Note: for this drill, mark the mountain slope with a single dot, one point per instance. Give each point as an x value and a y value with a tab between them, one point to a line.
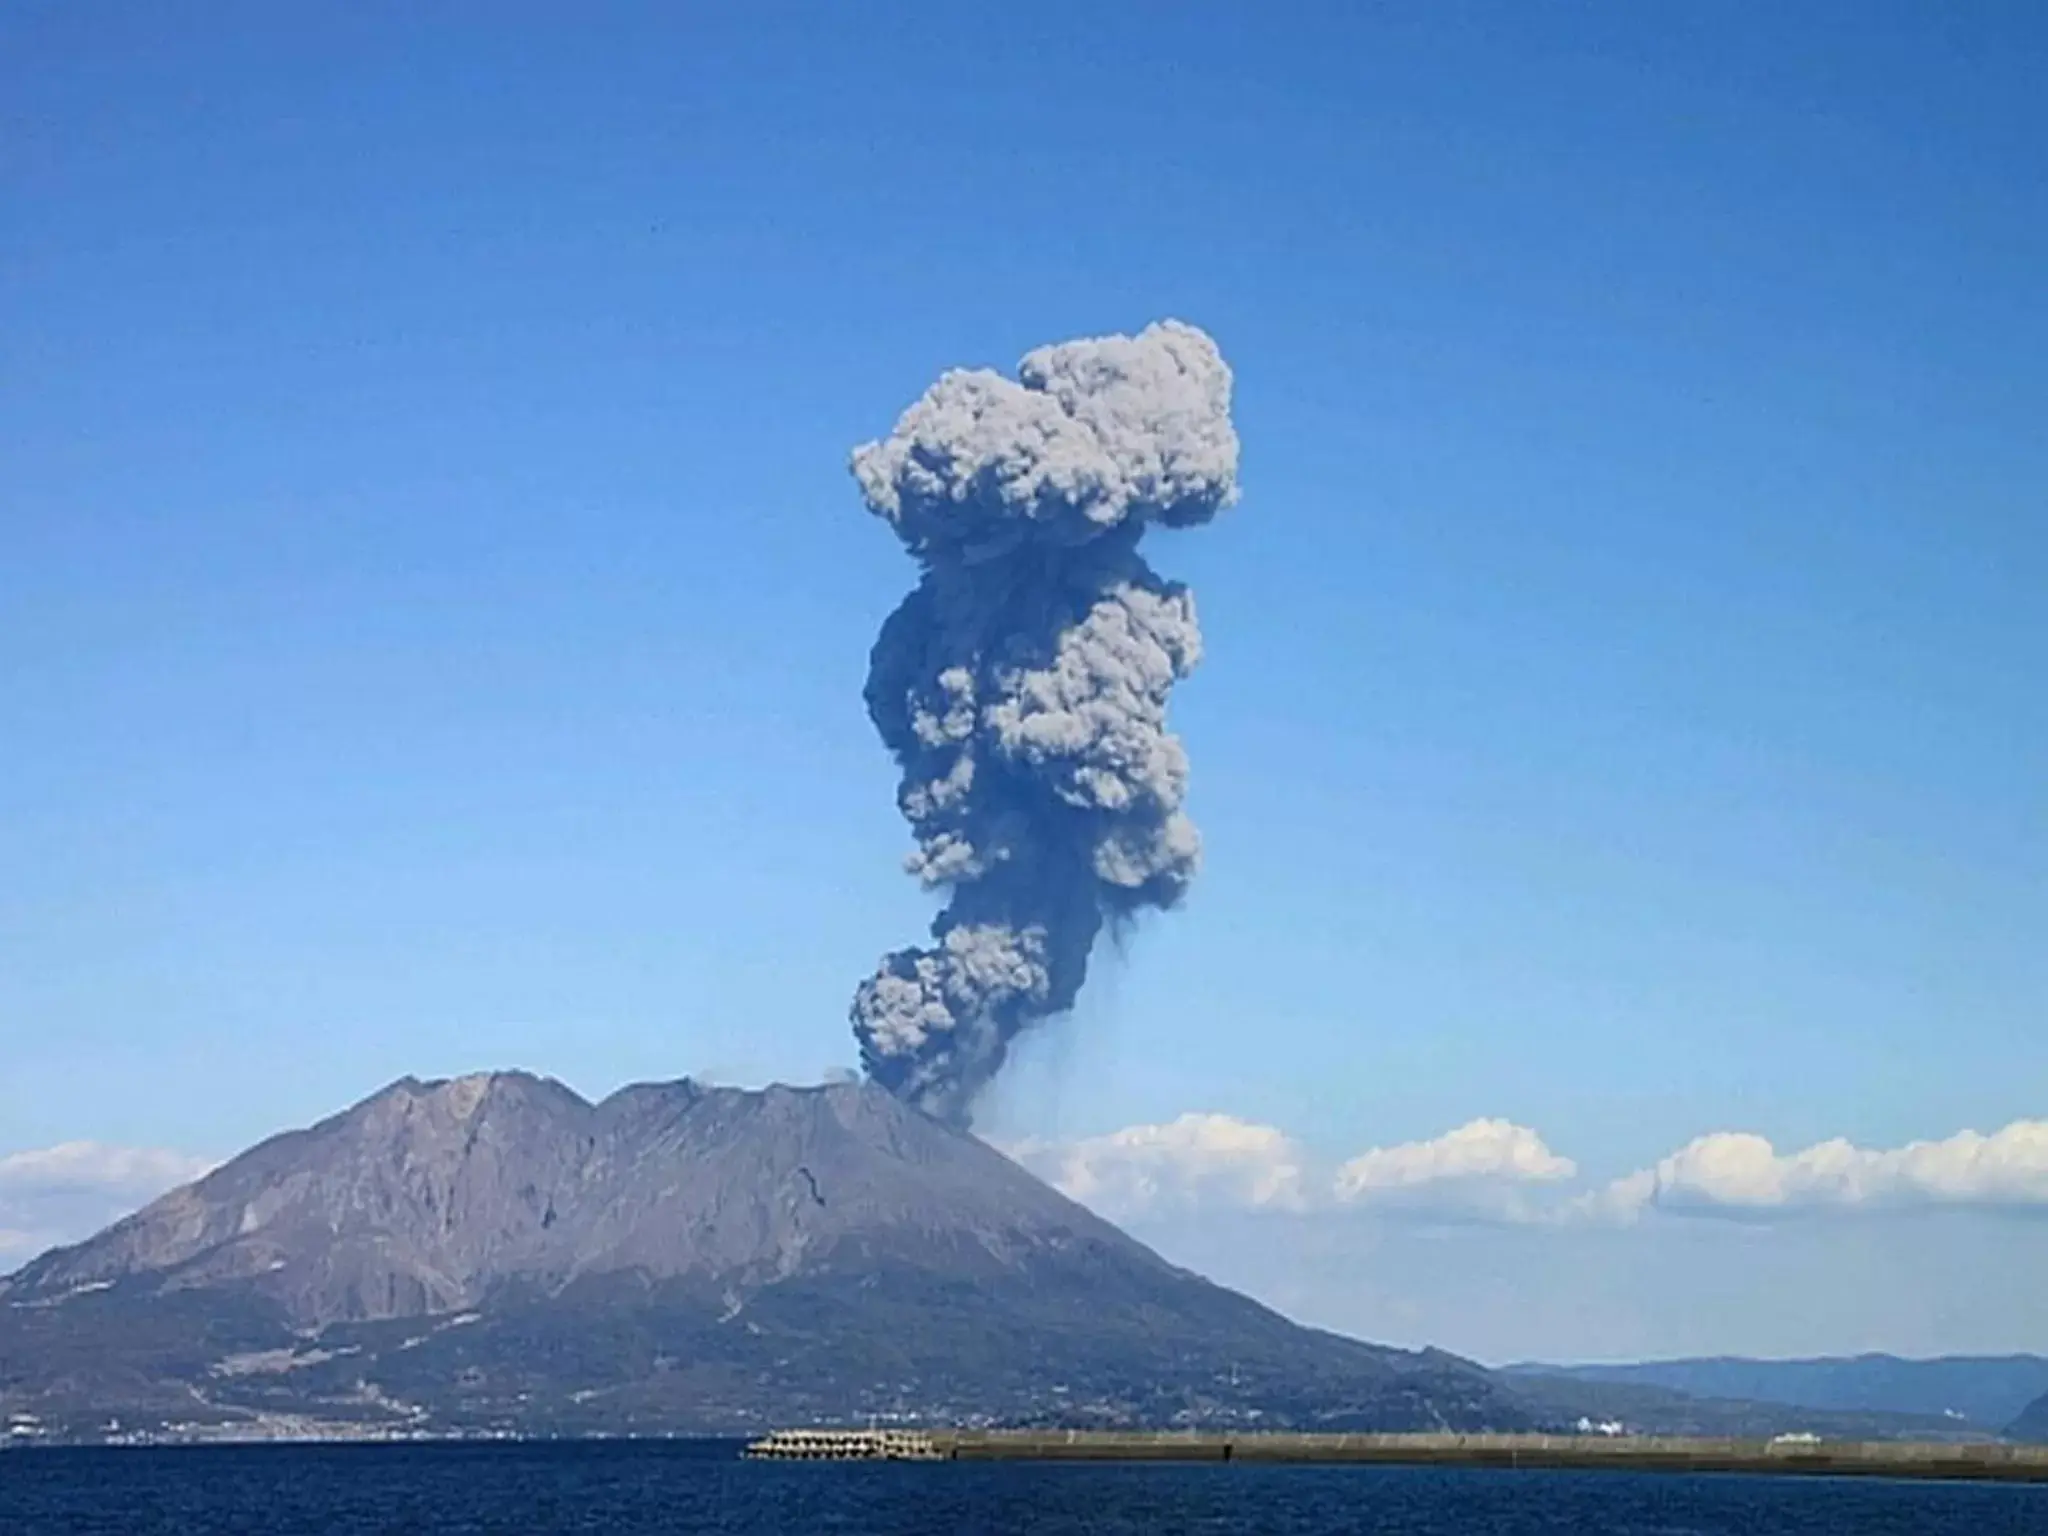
426	1197
496	1252
2032	1421
1986	1392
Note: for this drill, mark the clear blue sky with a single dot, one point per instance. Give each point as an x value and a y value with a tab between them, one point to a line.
433	604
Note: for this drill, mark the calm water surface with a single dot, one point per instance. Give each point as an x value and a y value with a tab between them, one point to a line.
620	1490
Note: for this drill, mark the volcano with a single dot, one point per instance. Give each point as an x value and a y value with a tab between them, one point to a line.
496	1254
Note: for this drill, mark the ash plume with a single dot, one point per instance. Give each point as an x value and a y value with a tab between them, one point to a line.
1022	686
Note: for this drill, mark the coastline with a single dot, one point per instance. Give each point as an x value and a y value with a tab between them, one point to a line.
1920	1461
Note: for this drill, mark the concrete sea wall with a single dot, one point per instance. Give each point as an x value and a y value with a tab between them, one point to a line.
2020	1463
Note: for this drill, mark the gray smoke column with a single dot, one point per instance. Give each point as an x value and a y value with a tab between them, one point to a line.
1022	686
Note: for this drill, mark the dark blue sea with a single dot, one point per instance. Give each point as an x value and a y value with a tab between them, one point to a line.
621	1489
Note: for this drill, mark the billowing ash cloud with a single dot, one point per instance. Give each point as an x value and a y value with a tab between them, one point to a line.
1022	687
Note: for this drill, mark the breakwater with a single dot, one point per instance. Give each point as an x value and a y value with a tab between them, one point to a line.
1874	1458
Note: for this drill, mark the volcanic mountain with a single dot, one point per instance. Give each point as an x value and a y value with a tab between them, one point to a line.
494	1252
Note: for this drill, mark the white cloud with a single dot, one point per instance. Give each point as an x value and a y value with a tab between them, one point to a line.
1196	1159
91	1165
1212	1160
1738	1172
1496	1170
1480	1152
60	1194
1620	1203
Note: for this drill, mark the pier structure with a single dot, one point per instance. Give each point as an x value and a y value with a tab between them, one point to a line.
1631	1453
1800	1454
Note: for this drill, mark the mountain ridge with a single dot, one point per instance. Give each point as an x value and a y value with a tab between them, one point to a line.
497	1251
1985	1391
496	1254
428	1193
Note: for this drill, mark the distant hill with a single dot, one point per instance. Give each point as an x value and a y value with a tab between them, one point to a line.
2032	1421
1985	1392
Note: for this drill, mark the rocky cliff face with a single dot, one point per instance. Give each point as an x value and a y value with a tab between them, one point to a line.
497	1252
